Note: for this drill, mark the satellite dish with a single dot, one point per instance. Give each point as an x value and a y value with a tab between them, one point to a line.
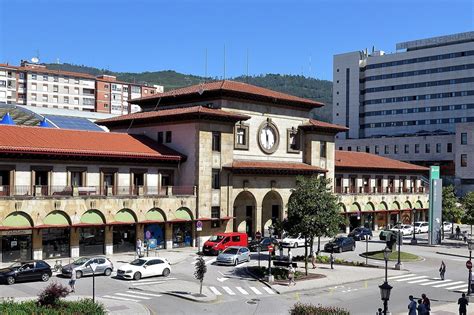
35	60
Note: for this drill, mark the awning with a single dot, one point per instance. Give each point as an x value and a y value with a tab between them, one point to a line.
88	224
179	220
151	222
11	228
51	226
120	223
206	219
227	218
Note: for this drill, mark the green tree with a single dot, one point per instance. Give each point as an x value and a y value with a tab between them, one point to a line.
313	210
468	205
451	212
199	271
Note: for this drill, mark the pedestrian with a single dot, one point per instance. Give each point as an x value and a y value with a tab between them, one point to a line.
411	306
421	308
331	260
442	270
427	303
458	232
379	311
72	282
314	257
291	276
139	248
290	256
463	303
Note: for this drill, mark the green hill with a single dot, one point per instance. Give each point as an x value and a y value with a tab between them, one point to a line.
318	90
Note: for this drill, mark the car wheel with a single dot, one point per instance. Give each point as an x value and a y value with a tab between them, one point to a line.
107	272
236	262
10	280
353	247
340	249
44	277
78	274
166	272
137	276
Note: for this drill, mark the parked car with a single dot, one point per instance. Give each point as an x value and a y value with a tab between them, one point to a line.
405	229
233	256
340	244
447	226
219	242
83	266
361	233
263	244
293	241
145	267
26	271
421	227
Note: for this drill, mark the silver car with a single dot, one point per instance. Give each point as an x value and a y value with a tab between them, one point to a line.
233	255
83	266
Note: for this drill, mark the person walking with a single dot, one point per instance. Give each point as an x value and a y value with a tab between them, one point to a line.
72	282
139	247
463	303
442	270
421	308
427	303
411	306
331	260
291	276
313	259
458	232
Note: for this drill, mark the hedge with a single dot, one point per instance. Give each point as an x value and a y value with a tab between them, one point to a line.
310	309
80	307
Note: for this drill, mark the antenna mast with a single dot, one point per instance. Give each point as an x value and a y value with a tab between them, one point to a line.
224	62
247	65
205	66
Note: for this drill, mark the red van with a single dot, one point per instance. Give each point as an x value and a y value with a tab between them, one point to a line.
221	241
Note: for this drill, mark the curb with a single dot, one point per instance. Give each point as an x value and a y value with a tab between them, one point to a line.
454	255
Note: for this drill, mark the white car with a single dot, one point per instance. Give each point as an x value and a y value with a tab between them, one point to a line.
405	229
145	267
291	241
421	227
447	226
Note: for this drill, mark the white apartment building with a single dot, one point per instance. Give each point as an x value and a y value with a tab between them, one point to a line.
12	85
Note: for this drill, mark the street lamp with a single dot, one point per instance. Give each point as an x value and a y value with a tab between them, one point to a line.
385	288
413	240
470	246
398	265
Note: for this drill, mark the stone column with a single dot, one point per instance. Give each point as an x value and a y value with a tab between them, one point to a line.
359	184
109	241
37	244
75	234
140	232
169	235
384	184
257	221
345	184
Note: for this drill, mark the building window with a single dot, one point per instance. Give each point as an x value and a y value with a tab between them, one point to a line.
387	150
438	147
376	149
76	81
241	137
367	149
323	149
66	99
216	183
45	98
45	87
407	148
292	138
427	148
168	137
216	141
395	149
358	148
45	78
215	215
160	137
349	148
55	88
33	76
449	148
55	99
463	138
66	80
417	148
463	160
55	78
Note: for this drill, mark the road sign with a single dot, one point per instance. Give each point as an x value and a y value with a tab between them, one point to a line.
199	226
258	235
469	264
270	248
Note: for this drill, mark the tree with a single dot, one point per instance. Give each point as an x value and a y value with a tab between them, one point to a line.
199	271
468	205
451	212
313	210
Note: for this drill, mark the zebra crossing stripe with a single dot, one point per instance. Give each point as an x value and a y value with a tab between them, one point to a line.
255	290
402	276
147	283
242	291
270	291
118	298
153	279
447	284
144	293
436	282
133	296
215	291
411	278
228	290
419	281
458	287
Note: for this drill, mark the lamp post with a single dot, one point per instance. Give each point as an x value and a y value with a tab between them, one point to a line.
385	288
470	246
413	240
398	265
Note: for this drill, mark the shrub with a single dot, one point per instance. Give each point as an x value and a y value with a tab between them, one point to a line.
309	309
52	293
81	307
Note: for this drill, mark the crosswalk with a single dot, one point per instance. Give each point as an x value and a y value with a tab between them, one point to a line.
241	290
448	284
132	295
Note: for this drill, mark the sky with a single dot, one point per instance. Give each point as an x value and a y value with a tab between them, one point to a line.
278	36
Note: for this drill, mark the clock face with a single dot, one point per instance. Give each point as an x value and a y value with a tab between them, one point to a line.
268	138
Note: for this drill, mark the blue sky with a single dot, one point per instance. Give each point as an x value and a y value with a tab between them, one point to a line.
280	36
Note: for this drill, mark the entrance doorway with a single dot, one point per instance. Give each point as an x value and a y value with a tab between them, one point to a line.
124	237
92	241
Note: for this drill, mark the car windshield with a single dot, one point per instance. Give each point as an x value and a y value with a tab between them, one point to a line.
216	238
138	262
81	261
15	265
338	239
417	223
231	251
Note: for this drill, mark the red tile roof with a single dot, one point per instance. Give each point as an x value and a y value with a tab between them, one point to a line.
227	88
268	167
184	113
74	143
56	72
367	161
314	124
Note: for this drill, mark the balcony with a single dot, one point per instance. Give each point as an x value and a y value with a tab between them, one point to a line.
379	190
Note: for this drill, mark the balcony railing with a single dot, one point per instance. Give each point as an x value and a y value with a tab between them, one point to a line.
380	190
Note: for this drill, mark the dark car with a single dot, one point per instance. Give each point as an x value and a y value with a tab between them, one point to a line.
263	243
26	271
361	233
340	244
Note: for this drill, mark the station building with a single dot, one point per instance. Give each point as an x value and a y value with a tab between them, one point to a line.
215	157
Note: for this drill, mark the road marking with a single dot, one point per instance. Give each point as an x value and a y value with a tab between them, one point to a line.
402	276
144	293
418	281
462	286
242	291
228	290
411	278
255	290
119	298
152	280
270	291
436	281
215	291
447	284
134	296
147	283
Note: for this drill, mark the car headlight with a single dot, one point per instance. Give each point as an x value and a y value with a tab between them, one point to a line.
129	271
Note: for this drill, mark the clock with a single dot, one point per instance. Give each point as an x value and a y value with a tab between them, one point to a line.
268	137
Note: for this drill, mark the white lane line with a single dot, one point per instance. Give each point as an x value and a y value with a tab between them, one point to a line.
402	276
447	284
419	281
269	291
147	283
144	293
119	298
436	281
154	279
255	290
210	261
134	296
411	278
242	291
228	290
462	286
215	291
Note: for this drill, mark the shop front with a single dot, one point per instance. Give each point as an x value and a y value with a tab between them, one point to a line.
154	229
182	228
124	231
56	235
92	233
16	237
